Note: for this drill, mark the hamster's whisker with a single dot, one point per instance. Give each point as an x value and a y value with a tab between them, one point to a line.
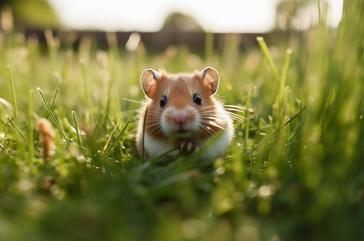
230	110
214	118
154	118
236	117
155	130
209	129
210	117
234	114
211	120
154	115
153	112
206	132
235	107
208	113
213	124
153	124
235	110
217	126
207	108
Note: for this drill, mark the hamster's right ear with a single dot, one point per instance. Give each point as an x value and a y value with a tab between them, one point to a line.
148	80
210	78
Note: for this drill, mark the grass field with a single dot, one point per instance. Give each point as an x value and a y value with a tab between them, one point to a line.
293	172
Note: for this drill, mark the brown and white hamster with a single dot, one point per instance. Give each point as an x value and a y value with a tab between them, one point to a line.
181	112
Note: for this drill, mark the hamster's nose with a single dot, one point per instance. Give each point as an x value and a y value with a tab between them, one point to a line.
180	118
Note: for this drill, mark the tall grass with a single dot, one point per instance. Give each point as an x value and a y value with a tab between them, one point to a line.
293	171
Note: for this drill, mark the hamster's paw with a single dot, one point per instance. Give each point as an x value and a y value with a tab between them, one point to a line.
187	147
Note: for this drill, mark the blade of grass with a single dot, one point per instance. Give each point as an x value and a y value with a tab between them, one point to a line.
319	10
52	44
143	135
53	115
263	46
53	101
120	135
281	97
77	132
131	100
209	43
54	97
104	149
86	93
287	61
30	126
100	119
246	115
11	80
18	130
21	134
274	132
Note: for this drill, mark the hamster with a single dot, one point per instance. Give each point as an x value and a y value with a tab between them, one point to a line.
181	113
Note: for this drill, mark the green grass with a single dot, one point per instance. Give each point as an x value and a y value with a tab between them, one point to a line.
293	172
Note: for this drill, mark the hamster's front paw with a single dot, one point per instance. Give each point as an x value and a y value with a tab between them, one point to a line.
187	147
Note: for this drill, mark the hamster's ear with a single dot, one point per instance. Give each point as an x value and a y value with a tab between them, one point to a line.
148	80
210	78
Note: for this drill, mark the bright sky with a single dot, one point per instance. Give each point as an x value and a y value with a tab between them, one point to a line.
149	15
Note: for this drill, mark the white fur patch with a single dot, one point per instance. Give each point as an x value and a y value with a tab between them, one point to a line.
155	147
219	145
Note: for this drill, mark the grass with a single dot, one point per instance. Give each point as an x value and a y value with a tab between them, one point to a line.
293	172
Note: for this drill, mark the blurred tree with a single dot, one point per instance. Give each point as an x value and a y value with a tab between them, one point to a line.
287	11
34	13
181	22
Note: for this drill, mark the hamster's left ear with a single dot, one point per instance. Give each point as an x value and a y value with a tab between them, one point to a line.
148	81
210	78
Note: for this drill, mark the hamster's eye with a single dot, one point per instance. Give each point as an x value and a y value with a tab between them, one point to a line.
163	101
197	99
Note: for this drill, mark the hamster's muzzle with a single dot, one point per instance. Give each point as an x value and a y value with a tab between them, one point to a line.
180	121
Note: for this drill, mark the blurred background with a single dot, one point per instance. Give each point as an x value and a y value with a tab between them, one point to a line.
164	22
